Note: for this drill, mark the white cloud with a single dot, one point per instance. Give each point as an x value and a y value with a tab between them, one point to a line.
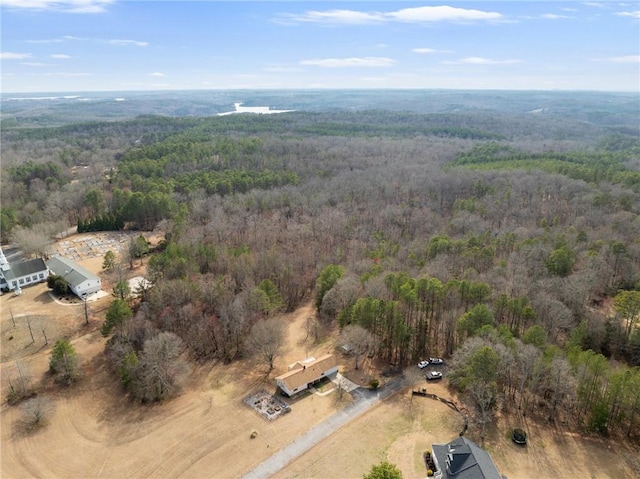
128	42
442	14
14	56
569	9
365	62
116	41
635	14
429	50
68	6
553	16
60	56
158	74
425	14
481	61
593	4
622	59
53	40
36	64
350	17
283	69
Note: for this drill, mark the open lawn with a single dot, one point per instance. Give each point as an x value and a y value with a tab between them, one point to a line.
94	431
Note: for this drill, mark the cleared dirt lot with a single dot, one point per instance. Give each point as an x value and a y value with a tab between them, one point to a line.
62	319
95	432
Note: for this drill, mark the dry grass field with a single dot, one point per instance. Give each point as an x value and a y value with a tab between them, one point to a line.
94	431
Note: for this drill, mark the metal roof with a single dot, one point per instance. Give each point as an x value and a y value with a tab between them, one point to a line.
72	272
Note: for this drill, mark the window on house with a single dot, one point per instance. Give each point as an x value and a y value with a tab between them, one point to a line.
14	284
22	281
28	280
34	277
41	275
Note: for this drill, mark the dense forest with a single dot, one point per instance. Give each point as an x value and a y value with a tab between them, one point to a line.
504	240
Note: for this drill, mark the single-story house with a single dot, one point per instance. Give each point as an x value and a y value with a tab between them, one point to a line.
303	374
80	280
463	459
15	276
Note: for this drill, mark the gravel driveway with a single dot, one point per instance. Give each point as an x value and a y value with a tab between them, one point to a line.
363	400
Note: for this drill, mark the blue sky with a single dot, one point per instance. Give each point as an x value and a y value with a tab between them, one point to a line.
111	45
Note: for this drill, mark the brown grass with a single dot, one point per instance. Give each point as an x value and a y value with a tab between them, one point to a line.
96	432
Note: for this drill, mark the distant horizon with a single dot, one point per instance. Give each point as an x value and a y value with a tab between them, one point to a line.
125	45
70	94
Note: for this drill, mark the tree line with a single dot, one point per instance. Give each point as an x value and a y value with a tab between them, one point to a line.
380	231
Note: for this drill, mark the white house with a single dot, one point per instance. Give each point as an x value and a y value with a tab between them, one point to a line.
304	374
15	276
80	280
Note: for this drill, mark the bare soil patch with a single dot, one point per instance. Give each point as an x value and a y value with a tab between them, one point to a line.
51	320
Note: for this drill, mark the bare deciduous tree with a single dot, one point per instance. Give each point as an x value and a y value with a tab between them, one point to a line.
19	382
360	340
266	340
527	359
35	412
412	376
345	291
160	371
34	240
559	385
483	395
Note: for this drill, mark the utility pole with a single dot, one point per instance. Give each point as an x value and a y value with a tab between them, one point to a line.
86	311
30	331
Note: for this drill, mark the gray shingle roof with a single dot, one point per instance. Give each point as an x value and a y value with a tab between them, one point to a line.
467	460
24	268
71	271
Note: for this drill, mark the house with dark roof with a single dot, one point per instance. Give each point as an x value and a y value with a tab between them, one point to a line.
463	459
80	280
303	374
15	276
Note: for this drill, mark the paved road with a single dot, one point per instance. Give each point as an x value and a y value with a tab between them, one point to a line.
363	400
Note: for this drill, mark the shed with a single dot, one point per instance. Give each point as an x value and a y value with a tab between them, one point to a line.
81	281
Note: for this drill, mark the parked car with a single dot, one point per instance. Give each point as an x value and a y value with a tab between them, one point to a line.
519	437
423	364
435	361
433	375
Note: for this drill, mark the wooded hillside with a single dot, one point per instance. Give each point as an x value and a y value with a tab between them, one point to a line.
493	236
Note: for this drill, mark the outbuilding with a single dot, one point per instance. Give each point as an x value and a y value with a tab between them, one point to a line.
80	280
